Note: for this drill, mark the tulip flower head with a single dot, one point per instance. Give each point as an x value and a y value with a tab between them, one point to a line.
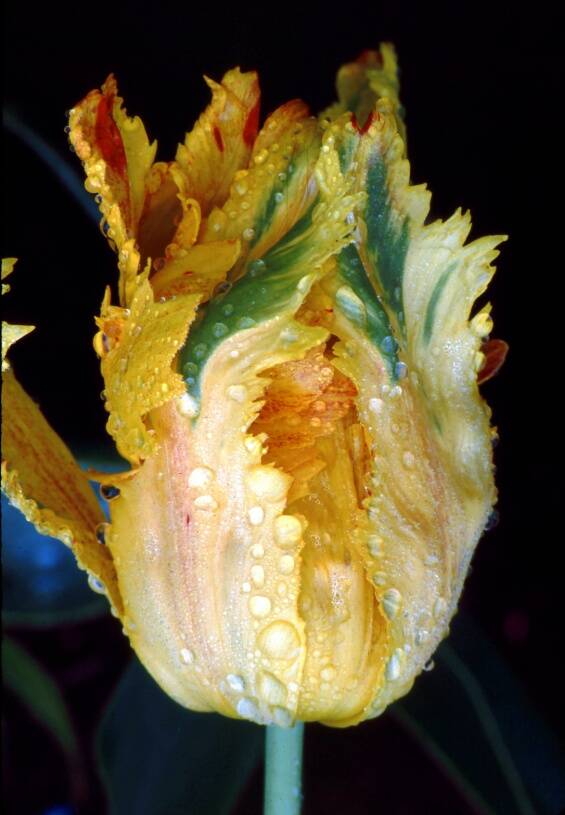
291	370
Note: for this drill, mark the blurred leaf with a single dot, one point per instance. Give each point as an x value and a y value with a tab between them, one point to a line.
41	583
26	678
156	758
471	716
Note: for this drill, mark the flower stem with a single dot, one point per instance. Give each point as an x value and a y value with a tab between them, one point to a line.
283	769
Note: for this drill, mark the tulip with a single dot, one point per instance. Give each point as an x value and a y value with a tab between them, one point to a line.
292	372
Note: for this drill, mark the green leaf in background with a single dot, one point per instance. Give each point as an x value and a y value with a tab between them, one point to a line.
473	718
156	758
33	686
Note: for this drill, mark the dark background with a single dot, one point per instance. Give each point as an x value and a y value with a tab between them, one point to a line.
483	90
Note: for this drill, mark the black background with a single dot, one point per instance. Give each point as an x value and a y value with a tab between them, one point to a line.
483	90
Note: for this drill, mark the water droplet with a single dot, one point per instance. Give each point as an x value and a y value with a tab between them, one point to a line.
258	575
256	515
376	405
408	459
391	603
248	710
259	605
200	350
328	673
190	369
237	392
271	690
246	322
421	636
101	533
286	564
379	578
187	405
492	520
440	607
96	585
257	551
236	682
220	330
279	640
282	717
288	531
256	267
392	670
246	587
228	309
108	492
200	477
206	502
279	196
400	369
248	234
187	656
388	344
375	544
267	483
260	157
429	666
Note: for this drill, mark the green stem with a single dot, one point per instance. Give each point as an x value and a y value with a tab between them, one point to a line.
283	769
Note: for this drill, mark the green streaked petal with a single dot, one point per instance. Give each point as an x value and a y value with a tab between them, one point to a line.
360	303
276	284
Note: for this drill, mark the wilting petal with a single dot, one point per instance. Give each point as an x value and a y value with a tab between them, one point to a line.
137	347
42	479
220	142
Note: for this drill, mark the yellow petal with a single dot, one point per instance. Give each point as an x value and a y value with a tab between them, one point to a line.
220	142
41	478
197	271
117	157
138	346
10	333
364	83
269	197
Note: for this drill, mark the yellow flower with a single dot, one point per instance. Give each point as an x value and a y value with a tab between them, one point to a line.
291	371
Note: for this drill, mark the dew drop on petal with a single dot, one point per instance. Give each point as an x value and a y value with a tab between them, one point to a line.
259	605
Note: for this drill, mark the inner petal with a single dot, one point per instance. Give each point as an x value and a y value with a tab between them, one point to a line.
313	433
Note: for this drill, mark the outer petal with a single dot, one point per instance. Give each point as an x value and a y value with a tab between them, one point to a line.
217	507
138	346
41	478
117	157
220	143
403	303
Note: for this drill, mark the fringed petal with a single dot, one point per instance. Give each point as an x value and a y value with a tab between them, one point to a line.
403	296
220	142
117	157
363	83
280	280
269	197
138	346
